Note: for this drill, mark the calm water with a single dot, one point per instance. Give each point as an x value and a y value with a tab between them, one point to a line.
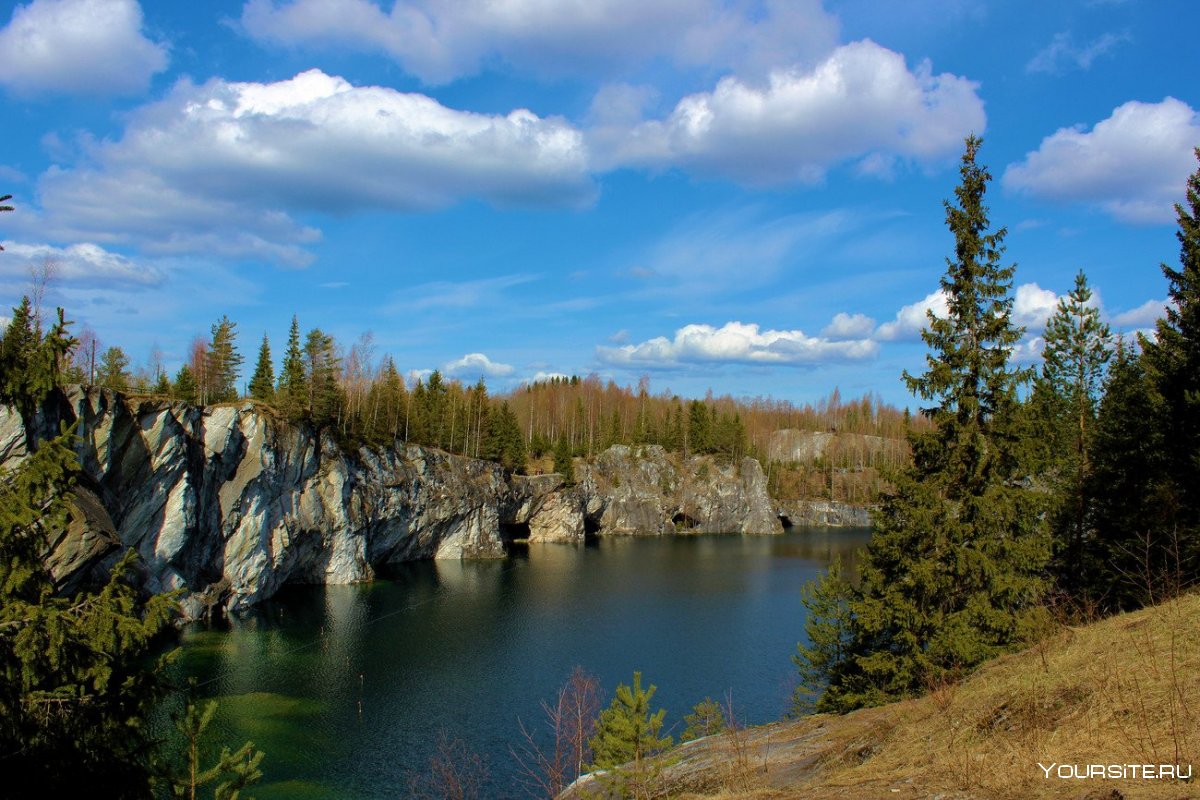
468	648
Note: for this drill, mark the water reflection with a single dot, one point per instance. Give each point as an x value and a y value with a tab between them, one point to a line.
347	687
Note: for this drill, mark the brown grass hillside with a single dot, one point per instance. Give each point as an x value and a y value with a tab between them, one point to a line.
1125	690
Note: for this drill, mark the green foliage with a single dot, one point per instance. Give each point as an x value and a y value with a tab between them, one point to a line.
955	564
504	442
830	631
707	719
699	428
291	394
113	372
224	363
1173	366
627	736
184	387
564	464
31	365
262	383
232	770
77	679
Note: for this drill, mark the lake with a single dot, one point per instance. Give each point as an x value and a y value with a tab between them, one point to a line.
347	688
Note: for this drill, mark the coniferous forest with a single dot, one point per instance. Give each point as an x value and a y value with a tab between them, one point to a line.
1072	487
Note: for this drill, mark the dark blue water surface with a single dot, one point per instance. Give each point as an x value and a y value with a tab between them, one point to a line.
347	688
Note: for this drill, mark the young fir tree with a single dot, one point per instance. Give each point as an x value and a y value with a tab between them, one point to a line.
184	387
262	383
1074	359
1173	364
627	735
955	566
564	464
707	719
292	393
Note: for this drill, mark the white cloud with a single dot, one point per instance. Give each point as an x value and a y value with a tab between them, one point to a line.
1033	305
78	46
738	343
849	326
541	375
1133	164
1029	350
440	40
1062	54
862	102
912	319
1144	316
221	168
82	265
475	365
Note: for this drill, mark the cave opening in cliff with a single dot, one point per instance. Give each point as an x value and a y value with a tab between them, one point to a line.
591	529
786	521
514	535
684	522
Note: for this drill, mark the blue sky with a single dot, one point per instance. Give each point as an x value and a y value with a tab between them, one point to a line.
743	196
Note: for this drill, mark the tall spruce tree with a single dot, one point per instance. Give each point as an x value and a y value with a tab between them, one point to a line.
292	392
224	362
955	565
262	383
321	365
1173	365
1074	359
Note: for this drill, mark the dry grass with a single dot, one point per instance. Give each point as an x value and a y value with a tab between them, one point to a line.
1125	690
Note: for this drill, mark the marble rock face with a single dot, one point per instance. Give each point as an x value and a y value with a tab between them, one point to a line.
229	504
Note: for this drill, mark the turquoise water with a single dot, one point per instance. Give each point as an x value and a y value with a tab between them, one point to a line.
347	688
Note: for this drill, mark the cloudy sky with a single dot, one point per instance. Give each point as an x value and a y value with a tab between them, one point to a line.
742	195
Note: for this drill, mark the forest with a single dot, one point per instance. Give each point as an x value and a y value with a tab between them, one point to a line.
1070	490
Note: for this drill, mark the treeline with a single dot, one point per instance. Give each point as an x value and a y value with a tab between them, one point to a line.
365	400
1082	498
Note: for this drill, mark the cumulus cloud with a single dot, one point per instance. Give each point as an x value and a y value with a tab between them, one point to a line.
1062	54
1033	305
475	365
223	167
440	40
862	102
848	326
82	265
913	318
735	343
1133	164
78	47
1144	316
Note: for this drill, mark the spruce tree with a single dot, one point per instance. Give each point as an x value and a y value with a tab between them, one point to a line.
564	464
1074	360
321	366
954	569
292	392
184	387
1173	365
262	384
224	362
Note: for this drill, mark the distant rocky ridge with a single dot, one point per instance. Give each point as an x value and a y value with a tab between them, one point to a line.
229	504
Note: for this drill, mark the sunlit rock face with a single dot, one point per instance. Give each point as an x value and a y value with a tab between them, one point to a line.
228	503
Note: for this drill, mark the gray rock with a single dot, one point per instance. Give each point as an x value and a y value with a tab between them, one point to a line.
230	504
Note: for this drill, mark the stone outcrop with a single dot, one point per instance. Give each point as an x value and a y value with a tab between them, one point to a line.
229	504
824	514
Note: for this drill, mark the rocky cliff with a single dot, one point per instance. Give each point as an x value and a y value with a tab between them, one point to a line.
229	504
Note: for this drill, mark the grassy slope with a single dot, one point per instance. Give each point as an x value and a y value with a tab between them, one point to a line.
1124	690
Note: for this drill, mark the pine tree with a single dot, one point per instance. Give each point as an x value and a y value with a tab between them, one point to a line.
953	571
627	734
1173	364
224	362
1075	356
262	384
292	392
113	372
707	719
